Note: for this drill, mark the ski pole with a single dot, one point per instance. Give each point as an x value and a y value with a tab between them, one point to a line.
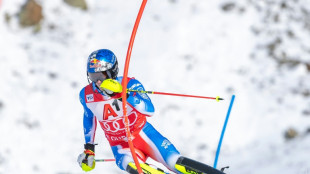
223	131
173	94
104	160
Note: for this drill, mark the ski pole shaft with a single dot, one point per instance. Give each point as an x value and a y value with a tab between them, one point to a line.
104	160
223	131
173	94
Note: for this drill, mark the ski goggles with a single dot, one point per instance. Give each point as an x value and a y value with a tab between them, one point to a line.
94	77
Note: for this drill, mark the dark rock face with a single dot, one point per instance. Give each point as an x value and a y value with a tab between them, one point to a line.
30	14
77	3
290	134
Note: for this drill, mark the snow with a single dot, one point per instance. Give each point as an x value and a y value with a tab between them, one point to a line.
182	46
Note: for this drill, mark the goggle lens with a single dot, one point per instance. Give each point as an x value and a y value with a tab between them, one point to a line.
97	76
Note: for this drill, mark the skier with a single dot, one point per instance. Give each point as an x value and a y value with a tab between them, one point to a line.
102	102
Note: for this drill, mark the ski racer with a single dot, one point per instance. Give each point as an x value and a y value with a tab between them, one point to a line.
102	104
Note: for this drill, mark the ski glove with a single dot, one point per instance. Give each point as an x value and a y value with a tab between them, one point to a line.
110	87
86	159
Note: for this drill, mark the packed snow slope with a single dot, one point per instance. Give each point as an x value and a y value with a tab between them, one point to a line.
257	50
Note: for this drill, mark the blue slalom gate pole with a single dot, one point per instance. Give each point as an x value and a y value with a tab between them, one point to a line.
223	131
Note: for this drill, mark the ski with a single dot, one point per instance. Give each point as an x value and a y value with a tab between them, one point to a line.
189	166
146	168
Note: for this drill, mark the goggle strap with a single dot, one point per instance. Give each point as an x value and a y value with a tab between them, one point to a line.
109	74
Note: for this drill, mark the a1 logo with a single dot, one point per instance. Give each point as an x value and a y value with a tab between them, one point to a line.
109	111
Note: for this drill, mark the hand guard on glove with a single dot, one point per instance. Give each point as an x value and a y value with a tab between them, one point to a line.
86	159
110	87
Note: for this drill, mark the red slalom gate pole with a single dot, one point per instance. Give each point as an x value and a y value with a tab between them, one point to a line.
124	84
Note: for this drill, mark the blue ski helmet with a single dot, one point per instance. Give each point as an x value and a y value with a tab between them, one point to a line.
102	64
